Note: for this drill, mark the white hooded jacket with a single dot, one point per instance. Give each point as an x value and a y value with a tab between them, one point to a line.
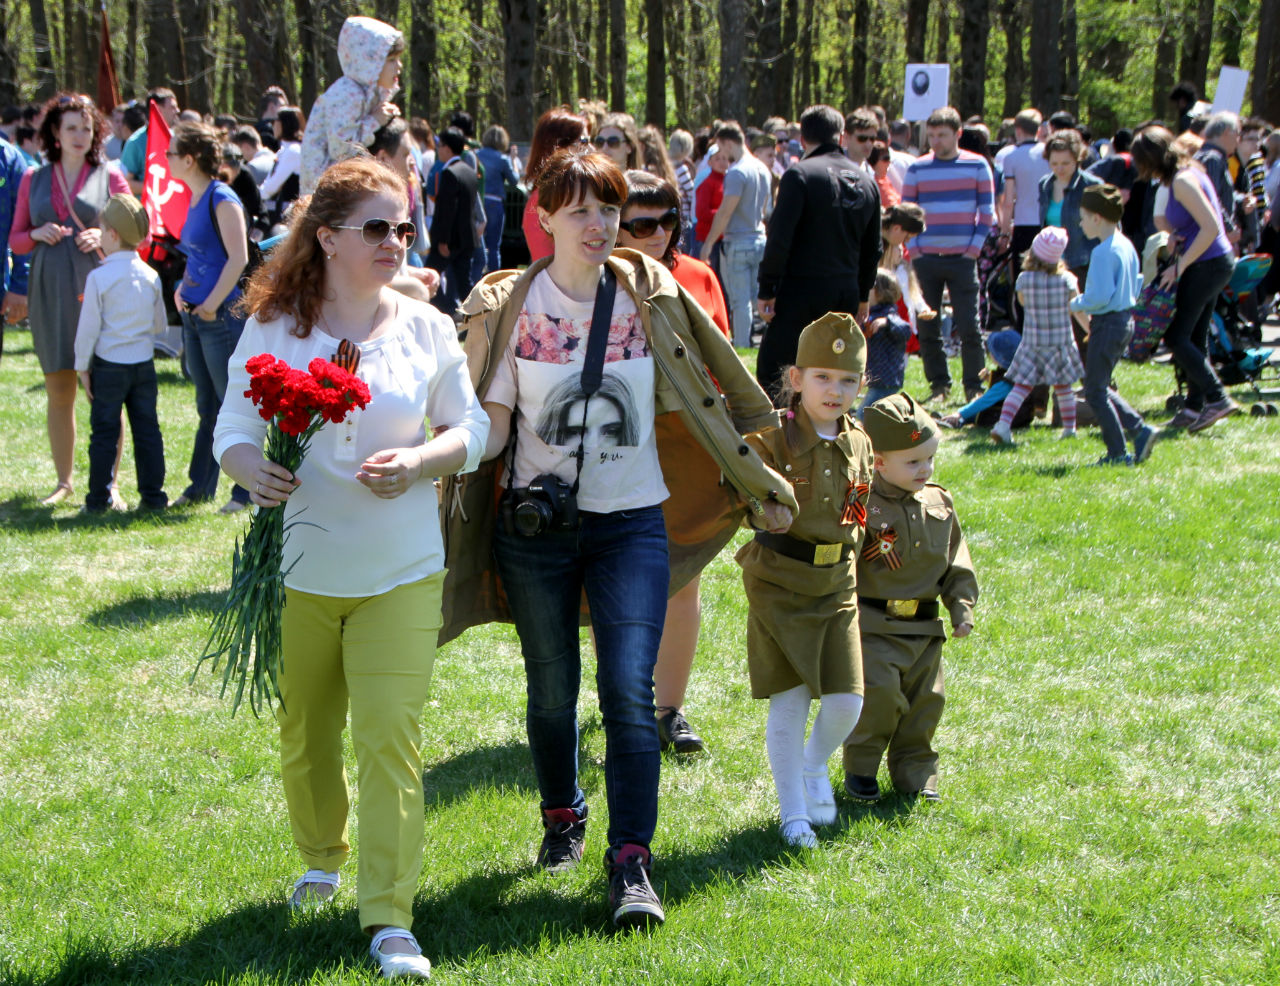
341	124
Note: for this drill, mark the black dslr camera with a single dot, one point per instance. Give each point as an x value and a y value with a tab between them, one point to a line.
546	504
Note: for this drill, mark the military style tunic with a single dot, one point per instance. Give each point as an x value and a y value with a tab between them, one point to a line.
914	552
802	623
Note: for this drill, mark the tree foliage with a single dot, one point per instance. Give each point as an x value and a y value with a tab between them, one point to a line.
1110	61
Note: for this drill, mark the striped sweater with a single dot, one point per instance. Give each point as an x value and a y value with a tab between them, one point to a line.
958	198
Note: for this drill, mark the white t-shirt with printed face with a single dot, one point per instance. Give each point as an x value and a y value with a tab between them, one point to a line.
541	374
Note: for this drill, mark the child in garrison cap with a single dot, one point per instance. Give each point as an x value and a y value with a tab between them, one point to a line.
914	554
802	622
1110	291
123	312
1048	352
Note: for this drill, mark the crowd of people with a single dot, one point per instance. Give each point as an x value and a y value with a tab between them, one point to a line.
552	337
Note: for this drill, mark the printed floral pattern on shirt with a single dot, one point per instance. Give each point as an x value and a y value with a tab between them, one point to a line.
545	338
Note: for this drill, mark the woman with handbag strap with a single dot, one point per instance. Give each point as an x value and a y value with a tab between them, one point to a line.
56	221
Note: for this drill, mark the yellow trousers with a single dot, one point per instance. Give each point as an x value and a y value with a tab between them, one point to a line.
374	654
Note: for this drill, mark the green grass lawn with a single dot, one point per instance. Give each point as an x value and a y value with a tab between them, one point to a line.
1109	756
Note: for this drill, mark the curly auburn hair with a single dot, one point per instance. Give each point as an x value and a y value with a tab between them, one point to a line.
55	109
292	281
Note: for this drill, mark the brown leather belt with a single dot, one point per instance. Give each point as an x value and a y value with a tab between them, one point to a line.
903	609
819	555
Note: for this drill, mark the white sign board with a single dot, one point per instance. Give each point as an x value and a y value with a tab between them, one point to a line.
1232	83
927	89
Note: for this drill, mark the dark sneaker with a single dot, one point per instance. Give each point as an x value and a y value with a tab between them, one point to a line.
675	734
928	794
631	896
562	841
1143	442
1115	460
1213	413
937	397
1183	418
862	787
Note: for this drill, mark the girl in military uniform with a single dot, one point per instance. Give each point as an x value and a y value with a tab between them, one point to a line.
802	623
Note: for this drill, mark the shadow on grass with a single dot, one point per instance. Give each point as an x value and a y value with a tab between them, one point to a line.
156	609
24	512
489	913
507	766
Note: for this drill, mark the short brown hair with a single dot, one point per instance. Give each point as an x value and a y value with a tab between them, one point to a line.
887	288
292	281
908	215
861	119
201	142
569	174
946	116
1068	141
1154	155
55	109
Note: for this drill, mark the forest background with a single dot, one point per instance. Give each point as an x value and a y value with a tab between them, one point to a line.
670	62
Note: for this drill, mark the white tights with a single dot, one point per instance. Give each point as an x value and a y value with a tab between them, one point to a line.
790	756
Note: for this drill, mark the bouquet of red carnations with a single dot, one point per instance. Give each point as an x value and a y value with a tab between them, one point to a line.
246	632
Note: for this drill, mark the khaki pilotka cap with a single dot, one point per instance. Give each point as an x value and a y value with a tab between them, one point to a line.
125	214
897	422
833	342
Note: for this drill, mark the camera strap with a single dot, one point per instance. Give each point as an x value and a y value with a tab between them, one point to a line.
592	368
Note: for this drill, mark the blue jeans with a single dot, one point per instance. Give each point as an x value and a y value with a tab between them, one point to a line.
207	349
620	560
739	265
874	394
491	256
131	386
1109	335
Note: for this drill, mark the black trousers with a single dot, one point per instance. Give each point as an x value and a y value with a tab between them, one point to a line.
800	300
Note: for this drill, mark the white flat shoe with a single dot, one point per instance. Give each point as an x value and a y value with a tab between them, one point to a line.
797	831
305	898
399	964
819	798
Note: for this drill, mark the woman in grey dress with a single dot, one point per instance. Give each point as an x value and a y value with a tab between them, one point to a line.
64	247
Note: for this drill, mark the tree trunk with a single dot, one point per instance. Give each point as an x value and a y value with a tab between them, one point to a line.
519	27
1069	53
1197	43
917	29
600	15
130	79
784	97
618	55
422	58
85	52
387	11
1266	62
1046	81
768	49
309	38
1233	18
944	32
733	58
655	88
475	68
331	16
860	58
267	59
679	61
195	15
579	12
804	62
975	25
8	64
1163	78
165	62
46	80
1013	16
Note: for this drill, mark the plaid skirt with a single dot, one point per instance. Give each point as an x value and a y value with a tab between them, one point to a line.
1033	365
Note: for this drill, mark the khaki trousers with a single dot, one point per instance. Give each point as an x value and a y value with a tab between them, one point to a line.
900	712
373	654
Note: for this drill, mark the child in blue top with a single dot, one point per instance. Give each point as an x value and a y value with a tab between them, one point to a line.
1111	289
887	334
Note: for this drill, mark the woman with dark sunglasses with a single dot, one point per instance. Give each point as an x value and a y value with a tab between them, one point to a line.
364	558
620	519
651	224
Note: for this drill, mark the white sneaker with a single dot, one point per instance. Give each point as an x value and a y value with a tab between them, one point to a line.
395	964
798	832
819	799
1002	434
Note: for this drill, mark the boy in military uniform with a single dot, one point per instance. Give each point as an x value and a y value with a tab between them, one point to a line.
914	553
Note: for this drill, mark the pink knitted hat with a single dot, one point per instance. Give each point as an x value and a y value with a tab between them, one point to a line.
1049	244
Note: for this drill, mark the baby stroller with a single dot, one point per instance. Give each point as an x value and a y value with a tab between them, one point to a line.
1234	340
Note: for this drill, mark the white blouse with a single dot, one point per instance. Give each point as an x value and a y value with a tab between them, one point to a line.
344	540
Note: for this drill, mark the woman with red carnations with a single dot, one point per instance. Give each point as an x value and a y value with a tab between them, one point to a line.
363	573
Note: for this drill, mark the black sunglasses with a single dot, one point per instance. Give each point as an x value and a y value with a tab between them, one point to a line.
610	141
570	141
646	226
374	231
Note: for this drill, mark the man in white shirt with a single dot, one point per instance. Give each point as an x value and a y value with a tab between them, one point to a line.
748	187
1023	164
258	161
860	130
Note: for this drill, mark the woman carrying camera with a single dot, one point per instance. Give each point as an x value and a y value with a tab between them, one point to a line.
594	373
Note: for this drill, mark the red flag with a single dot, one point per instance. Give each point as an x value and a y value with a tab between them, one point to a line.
108	83
165	198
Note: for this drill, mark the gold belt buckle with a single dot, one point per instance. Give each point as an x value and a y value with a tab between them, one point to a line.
826	554
902	609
